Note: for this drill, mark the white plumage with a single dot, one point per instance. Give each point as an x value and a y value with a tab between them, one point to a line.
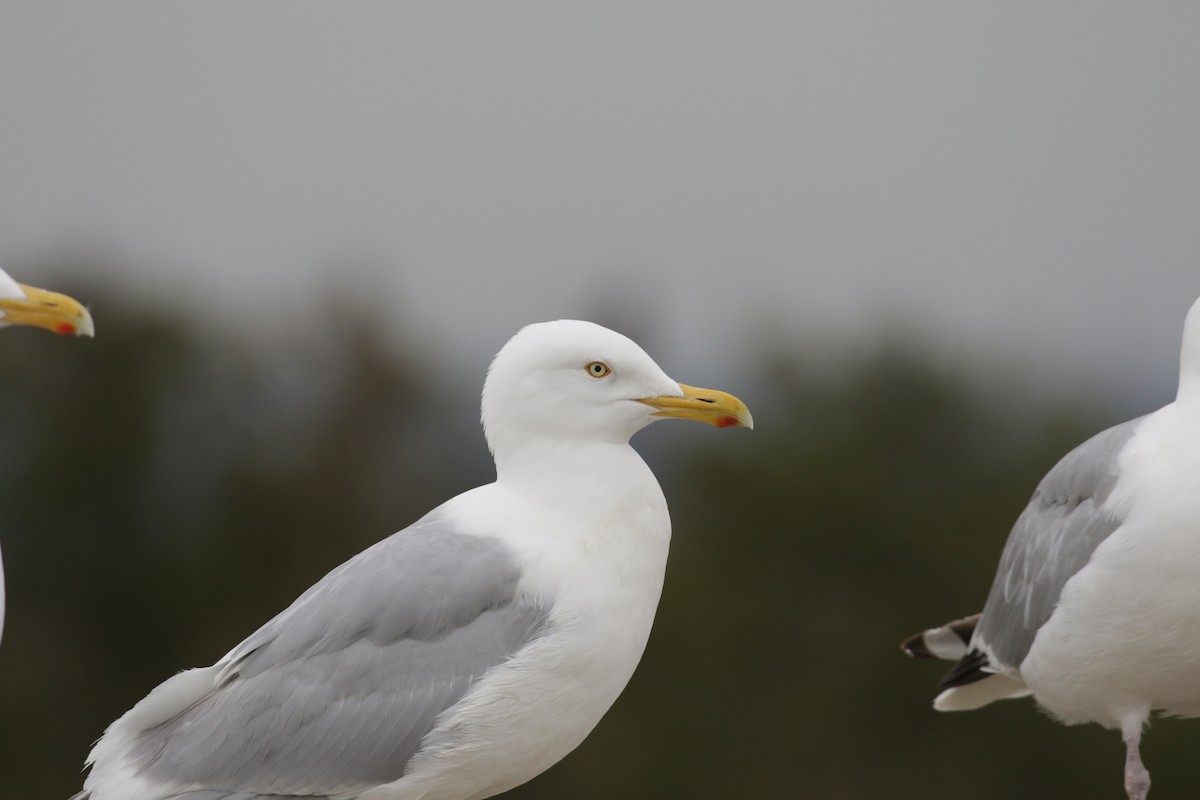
467	653
1095	609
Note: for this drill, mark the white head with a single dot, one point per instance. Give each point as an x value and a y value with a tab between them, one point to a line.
578	383
1189	357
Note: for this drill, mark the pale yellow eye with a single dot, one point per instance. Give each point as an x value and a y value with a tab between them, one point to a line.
598	369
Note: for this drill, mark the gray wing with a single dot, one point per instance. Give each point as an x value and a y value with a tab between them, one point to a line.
221	794
336	693
1055	536
217	794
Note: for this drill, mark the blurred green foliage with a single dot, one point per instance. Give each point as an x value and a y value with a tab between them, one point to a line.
166	489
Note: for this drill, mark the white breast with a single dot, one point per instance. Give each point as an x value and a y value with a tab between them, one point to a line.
1125	637
602	575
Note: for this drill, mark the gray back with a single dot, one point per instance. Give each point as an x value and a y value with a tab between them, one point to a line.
1055	536
336	693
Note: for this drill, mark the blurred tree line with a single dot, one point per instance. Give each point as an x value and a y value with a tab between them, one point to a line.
165	489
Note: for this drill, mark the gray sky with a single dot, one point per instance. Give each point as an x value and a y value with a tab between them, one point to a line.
1020	176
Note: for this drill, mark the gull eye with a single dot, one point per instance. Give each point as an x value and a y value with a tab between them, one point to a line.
598	369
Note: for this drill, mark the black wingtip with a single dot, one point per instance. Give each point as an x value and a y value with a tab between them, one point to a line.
969	669
915	647
918	645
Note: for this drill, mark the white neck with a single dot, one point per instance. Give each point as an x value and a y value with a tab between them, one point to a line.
557	473
602	502
1189	360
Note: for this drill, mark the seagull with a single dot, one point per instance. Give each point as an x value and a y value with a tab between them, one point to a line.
1095	608
472	650
28	305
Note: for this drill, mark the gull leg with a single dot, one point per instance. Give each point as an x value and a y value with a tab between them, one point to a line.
1137	777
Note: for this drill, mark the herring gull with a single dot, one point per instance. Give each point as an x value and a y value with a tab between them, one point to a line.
472	650
28	305
1095	608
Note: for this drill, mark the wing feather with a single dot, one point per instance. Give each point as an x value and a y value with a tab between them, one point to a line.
336	693
1068	517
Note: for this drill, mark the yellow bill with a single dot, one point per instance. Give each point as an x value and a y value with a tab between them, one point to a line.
703	405
50	310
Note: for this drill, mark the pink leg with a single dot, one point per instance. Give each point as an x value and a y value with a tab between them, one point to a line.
1137	777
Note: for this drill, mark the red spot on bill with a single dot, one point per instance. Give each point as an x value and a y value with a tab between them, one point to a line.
726	422
65	328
